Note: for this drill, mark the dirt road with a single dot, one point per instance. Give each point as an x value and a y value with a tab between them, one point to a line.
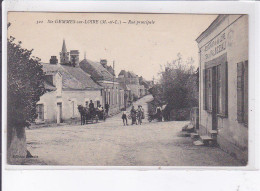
111	143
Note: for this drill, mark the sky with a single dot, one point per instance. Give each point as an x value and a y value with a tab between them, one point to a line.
139	47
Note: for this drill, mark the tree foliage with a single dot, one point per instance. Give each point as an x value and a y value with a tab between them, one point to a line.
177	85
25	79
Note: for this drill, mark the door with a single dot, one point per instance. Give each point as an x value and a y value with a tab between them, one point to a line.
59	113
214	99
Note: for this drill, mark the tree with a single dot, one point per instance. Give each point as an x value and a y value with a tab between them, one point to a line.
177	85
25	85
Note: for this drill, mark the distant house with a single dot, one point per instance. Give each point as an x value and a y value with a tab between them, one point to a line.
137	85
145	86
223	98
132	81
103	74
67	87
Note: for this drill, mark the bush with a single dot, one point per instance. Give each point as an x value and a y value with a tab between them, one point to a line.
180	114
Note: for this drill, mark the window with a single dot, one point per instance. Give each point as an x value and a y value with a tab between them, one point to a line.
117	96
219	82
208	89
49	79
109	98
242	92
218	92
40	112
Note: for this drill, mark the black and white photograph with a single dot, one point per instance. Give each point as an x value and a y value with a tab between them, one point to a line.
127	89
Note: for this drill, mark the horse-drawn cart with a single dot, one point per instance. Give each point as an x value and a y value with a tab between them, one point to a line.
90	115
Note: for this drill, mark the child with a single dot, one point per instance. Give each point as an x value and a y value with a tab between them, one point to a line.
124	117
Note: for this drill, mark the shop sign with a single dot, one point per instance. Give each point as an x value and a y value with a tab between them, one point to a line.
215	46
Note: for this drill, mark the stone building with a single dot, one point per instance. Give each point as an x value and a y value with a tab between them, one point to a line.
102	74
223	99
144	86
67	87
137	87
132	81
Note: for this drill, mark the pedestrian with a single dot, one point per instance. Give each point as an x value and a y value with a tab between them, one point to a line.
124	117
140	114
159	113
91	105
100	112
133	115
91	108
107	108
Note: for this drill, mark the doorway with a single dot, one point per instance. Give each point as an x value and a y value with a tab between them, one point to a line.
59	112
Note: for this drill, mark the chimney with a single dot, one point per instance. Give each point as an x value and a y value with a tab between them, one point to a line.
103	62
53	60
74	58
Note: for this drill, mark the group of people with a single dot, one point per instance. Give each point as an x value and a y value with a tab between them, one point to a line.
135	114
89	112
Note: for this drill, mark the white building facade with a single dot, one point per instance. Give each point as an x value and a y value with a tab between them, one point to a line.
223	99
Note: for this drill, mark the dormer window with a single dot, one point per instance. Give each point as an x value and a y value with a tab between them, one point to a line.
49	79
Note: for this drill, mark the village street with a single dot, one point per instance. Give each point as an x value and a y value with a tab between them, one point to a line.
111	143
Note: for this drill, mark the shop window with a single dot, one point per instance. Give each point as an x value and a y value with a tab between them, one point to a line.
222	91
242	92
219	81
40	112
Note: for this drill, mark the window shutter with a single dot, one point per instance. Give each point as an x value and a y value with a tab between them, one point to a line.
204	90
224	89
246	92
240	92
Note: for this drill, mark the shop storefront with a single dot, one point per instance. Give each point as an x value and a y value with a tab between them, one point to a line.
223	107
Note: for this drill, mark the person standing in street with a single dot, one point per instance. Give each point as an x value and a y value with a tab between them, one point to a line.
91	108
100	112
139	114
107	108
133	115
124	117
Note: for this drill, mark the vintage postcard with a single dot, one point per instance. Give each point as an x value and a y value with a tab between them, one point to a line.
127	89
